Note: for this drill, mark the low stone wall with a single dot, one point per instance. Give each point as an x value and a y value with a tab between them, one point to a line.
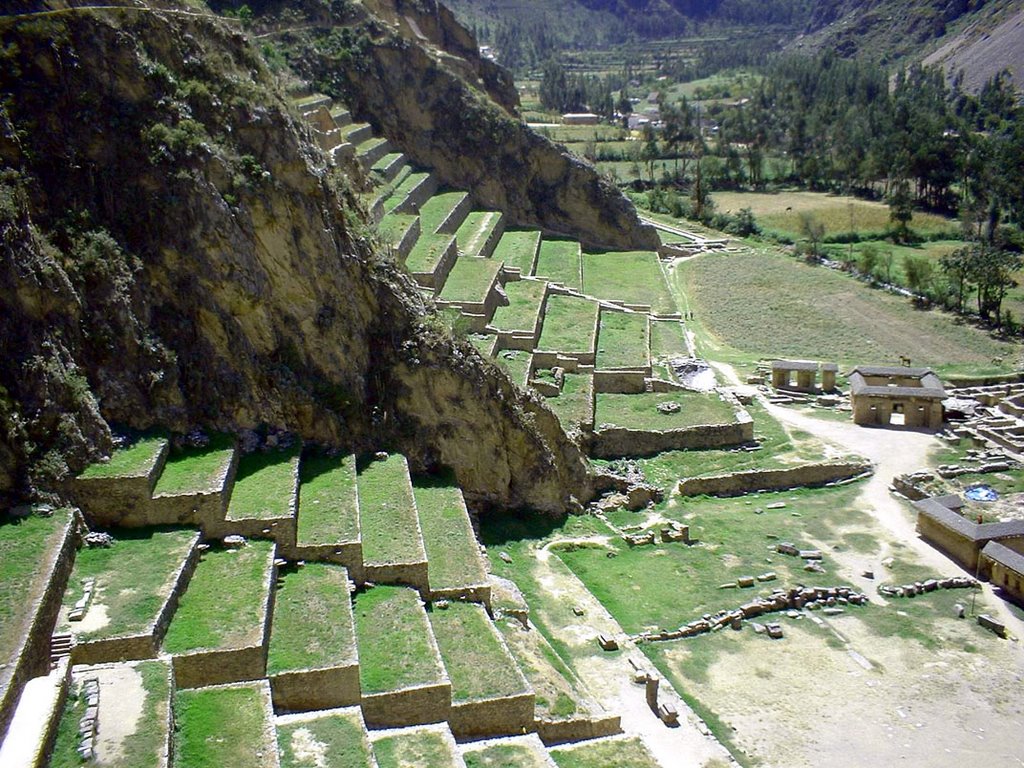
519	340
616	442
53	715
280	529
106	500
407	241
418	195
663	386
739	483
349	554
473	593
620	382
410	706
554	732
410	574
315	689
508	716
456	216
568	360
205	509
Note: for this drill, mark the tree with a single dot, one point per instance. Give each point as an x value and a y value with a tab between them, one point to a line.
868	259
918	272
901	209
814	231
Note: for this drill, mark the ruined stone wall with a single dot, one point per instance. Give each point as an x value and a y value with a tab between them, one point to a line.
410	706
473	593
739	483
553	732
618	442
507	716
111	498
315	689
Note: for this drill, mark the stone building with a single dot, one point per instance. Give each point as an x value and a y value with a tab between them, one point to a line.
1004	567
882	395
806	375
941	524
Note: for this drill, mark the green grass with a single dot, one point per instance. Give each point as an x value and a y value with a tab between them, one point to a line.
517	249
415	749
575	404
623	341
525	298
313	626
133	578
516	362
340	734
667	340
265	485
328	507
474	232
641	411
478	664
632	277
393	226
393	633
621	753
435	210
388	512
221	728
401	192
470	280
223	605
130	461
559	261
570	325
194	470
505	756
426	254
452	550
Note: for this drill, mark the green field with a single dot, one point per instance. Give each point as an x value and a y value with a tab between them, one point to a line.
575	404
393	634
621	753
641	411
570	325
559	261
223	727
525	298
623	341
313	626
388	512
194	470
340	733
265	485
415	749
452	550
506	756
517	249
470	280
426	254
435	210
631	277
517	363
132	460
328	508
223	605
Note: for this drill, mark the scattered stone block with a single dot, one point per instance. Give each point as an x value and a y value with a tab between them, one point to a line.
810	554
505	557
745	581
234	541
993	625
768	576
607	643
785	548
668	714
776	505
774	630
959	610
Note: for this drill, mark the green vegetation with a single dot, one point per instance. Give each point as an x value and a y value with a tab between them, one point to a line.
474	232
222	727
623	341
426	254
517	362
195	470
631	277
641	411
525	298
470	280
622	753
223	605
415	749
393	635
505	756
401	192
570	325
517	249
265	485
452	551
478	663
575	404
341	735
393	226
328	508
133	578
388	512
667	342
560	261
437	209
132	460
312	627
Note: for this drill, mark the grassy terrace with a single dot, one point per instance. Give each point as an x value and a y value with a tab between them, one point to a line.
133	579
313	627
517	363
452	549
559	260
623	341
132	460
570	325
641	411
393	226
340	734
401	192
506	756
382	165
478	663
222	727
194	470
328	507
435	210
388	512
622	753
223	605
517	249
24	548
525	298
575	404
667	340
632	277
474	231
265	485
415	749
427	252
393	635
470	279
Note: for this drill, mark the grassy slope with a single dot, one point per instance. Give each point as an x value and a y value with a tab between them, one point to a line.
633	277
425	255
570	325
559	260
265	485
220	728
341	734
435	210
622	753
641	411
130	461
452	550
622	341
516	362
328	508
388	512
470	279
195	469
517	248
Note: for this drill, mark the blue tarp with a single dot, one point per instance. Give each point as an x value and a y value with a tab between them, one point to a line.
981	493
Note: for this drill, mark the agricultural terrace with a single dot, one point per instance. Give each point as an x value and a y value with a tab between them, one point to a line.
575	403
517	363
507	755
623	341
570	325
393	226
223	606
474	233
560	261
416	749
470	280
395	641
328	505
517	249
477	661
387	511
641	412
265	485
133	579
401	192
548	675
426	254
667	340
760	304
452	550
339	737
620	752
313	626
483	343
525	298
197	469
631	277
133	460
437	209
223	727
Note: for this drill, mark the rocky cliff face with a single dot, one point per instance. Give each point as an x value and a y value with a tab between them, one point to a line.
177	252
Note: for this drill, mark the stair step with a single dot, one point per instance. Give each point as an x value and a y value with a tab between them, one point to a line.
456	567
480	232
416	189
195	483
372	150
312	103
521	751
445	212
342	116
390	166
328	523
401	232
518	249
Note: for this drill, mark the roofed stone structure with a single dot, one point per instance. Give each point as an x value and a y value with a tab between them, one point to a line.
806	375
912	395
1004	568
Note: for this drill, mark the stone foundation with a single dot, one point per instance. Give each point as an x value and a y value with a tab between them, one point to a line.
617	442
739	483
554	732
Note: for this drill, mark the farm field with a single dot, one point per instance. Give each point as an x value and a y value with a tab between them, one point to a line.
470	279
221	728
623	341
328	507
575	404
265	485
452	550
632	277
136	458
412	749
525	298
570	325
517	363
517	249
192	470
641	411
386	505
340	734
559	261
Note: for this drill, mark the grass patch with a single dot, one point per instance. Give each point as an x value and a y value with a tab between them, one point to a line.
505	756
414	749
133	578
525	298
313	627
474	232
478	664
401	192
195	470
388	512
632	277
223	605
470	280
570	325
393	637
265	485
221	728
668	340
517	249
559	261
517	363
328	507
133	460
427	252
623	341
437	209
452	550
622	753
340	735
575	404
640	411
393	226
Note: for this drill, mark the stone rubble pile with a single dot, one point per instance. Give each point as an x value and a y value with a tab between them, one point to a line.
929	585
89	725
77	612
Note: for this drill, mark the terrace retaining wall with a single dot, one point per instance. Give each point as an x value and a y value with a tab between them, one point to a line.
409	706
472	593
621	382
418	195
107	501
348	554
310	690
410	574
615	442
204	508
739	483
506	716
553	732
